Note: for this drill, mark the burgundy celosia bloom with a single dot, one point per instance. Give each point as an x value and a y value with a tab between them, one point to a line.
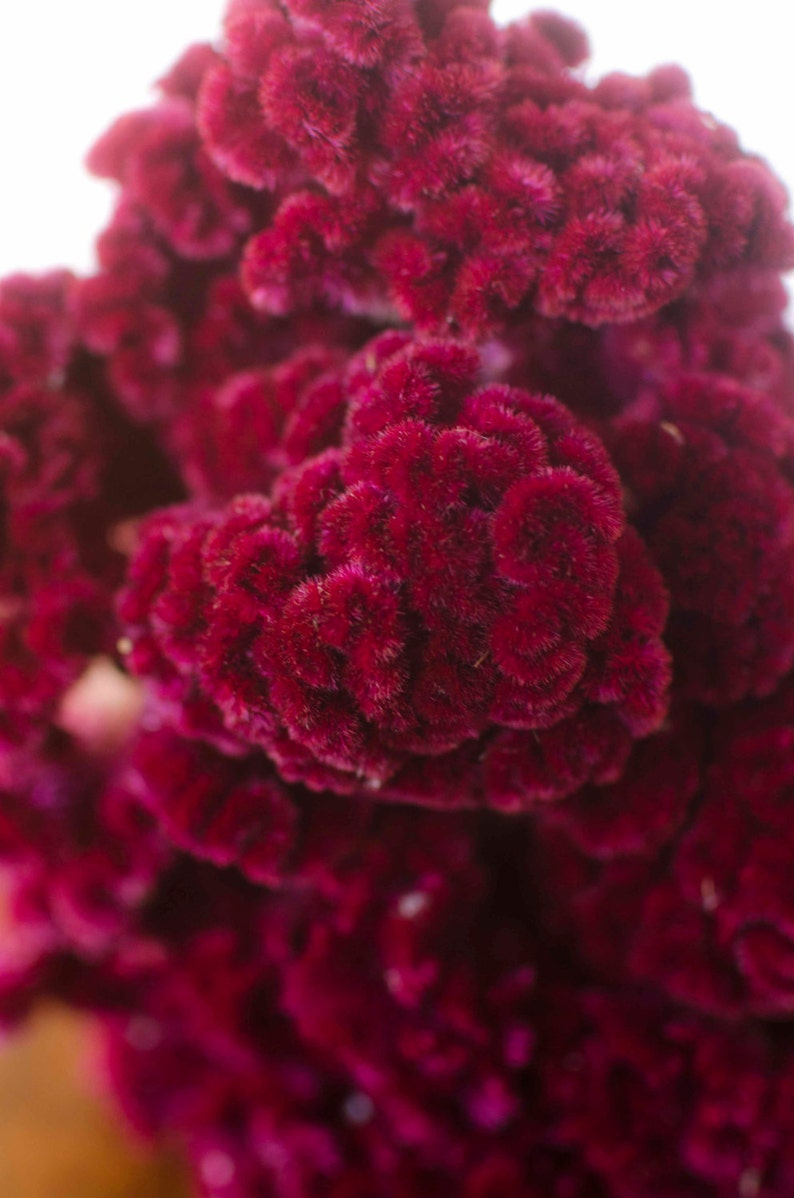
712	887
80	857
235	810
368	615
710	461
49	466
423	439
457	171
72	472
304	1042
661	1101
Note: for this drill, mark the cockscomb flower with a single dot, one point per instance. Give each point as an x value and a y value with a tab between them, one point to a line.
236	810
71	473
420	158
707	459
454	567
306	1041
661	1101
80	857
424	438
711	886
49	463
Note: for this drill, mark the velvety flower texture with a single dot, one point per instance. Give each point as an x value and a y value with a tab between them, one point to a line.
454	171
305	1041
708	458
397	621
49	468
457	568
410	1072
633	1076
712	884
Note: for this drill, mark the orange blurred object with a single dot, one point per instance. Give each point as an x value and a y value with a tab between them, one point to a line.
57	1139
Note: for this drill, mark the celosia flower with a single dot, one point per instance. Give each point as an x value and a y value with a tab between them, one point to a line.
661	1101
711	461
305	1042
80	857
458	171
367	617
423	439
712	886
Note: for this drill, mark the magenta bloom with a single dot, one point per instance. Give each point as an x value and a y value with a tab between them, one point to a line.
397	621
451	576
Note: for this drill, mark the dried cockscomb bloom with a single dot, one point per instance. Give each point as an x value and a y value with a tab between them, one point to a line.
423	439
453	568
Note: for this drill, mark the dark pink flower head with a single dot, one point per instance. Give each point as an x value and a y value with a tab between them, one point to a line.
419	981
199	1048
707	465
732	324
81	857
730	329
641	812
166	310
123	314
425	434
72	474
173	333
729	880
236	810
50	474
660	1101
238	435
454	569
157	158
224	809
36	327
713	901
422	160
315	1041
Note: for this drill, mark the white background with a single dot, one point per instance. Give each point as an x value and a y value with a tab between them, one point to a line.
68	67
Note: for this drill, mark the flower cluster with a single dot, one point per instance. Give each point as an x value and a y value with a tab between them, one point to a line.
456	570
413	1061
710	460
48	480
660	1101
397	621
73	473
709	876
432	164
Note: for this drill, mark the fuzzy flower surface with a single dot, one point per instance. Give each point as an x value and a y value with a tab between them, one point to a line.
397	621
